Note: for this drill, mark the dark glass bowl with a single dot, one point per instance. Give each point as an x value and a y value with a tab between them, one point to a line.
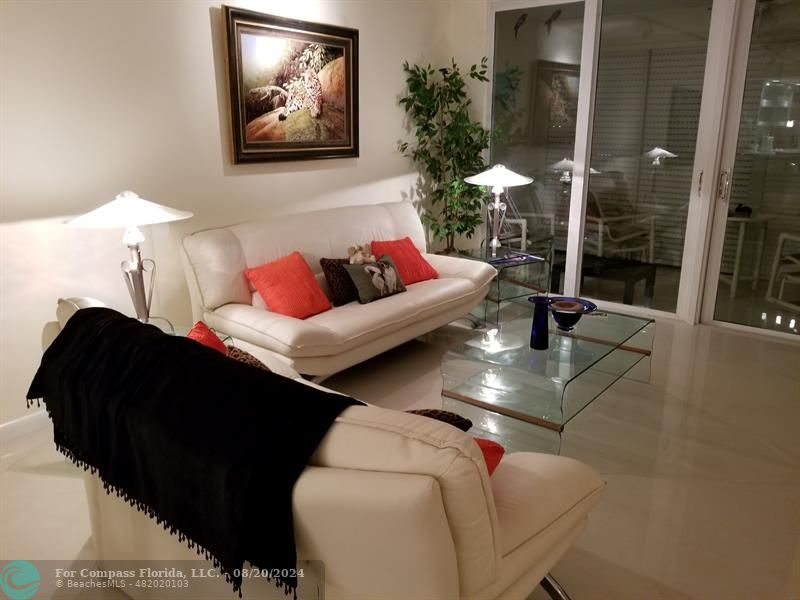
568	311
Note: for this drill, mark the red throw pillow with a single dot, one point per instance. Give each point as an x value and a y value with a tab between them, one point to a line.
201	333
492	453
410	264
288	287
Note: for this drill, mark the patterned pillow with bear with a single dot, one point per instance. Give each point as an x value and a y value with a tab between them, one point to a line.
375	280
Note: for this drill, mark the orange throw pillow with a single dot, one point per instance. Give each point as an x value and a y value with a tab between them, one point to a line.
288	287
201	333
410	264
492	453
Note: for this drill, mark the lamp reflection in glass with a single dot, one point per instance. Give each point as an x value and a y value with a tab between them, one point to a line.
566	166
494	342
498	178
658	154
129	211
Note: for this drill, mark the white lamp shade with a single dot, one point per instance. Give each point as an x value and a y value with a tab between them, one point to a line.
660	153
566	164
128	210
499	176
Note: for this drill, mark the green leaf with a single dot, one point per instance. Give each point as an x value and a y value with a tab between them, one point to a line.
449	145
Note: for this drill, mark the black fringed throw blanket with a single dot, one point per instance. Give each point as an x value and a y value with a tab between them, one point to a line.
208	446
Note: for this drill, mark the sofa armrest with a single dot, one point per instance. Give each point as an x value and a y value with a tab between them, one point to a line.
368	438
285	335
476	271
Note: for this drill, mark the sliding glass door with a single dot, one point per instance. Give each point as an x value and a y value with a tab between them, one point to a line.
648	84
664	140
754	275
650	73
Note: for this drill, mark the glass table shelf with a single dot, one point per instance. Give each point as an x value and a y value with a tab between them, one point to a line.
519	274
496	370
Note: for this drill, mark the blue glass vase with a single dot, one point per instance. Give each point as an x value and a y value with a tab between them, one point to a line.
539	330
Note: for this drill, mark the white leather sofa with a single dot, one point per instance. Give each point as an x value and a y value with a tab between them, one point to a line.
395	506
215	260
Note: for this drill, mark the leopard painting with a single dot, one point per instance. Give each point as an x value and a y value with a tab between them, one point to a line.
307	94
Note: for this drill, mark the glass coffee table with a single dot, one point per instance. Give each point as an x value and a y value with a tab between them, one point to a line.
496	379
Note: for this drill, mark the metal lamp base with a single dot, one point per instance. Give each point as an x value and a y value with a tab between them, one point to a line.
133	274
497	215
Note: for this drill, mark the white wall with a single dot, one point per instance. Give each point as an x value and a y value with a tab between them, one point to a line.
98	97
462	34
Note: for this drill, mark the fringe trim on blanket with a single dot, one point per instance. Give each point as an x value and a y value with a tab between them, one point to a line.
148	510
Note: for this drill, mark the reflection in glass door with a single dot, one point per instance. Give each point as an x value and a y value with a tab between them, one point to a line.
650	74
536	62
759	275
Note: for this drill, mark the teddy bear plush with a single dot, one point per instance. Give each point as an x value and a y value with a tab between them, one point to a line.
360	255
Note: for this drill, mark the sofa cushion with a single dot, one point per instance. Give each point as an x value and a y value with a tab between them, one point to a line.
202	334
555	485
343	328
376	280
410	263
341	286
354	324
492	453
243	356
215	259
288	287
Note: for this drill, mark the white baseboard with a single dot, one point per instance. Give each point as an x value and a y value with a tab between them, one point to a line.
23	426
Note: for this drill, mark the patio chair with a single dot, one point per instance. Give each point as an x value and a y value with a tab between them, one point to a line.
785	269
614	227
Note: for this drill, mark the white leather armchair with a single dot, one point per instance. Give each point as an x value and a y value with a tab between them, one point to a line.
395	506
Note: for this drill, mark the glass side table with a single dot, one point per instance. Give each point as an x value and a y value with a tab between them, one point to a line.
519	274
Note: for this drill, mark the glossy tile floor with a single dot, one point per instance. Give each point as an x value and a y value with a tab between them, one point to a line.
703	464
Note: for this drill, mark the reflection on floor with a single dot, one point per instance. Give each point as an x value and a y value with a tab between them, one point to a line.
749	307
703	465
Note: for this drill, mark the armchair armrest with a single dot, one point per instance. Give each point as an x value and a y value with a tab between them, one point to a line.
281	334
360	522
368	438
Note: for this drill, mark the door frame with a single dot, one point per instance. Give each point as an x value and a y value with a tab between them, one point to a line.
740	57
714	107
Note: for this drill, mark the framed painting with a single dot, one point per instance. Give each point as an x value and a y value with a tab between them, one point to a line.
293	88
554	101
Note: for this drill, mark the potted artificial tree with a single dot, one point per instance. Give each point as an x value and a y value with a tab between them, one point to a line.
449	146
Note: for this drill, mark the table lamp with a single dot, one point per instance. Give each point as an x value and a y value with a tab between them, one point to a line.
129	211
498	178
